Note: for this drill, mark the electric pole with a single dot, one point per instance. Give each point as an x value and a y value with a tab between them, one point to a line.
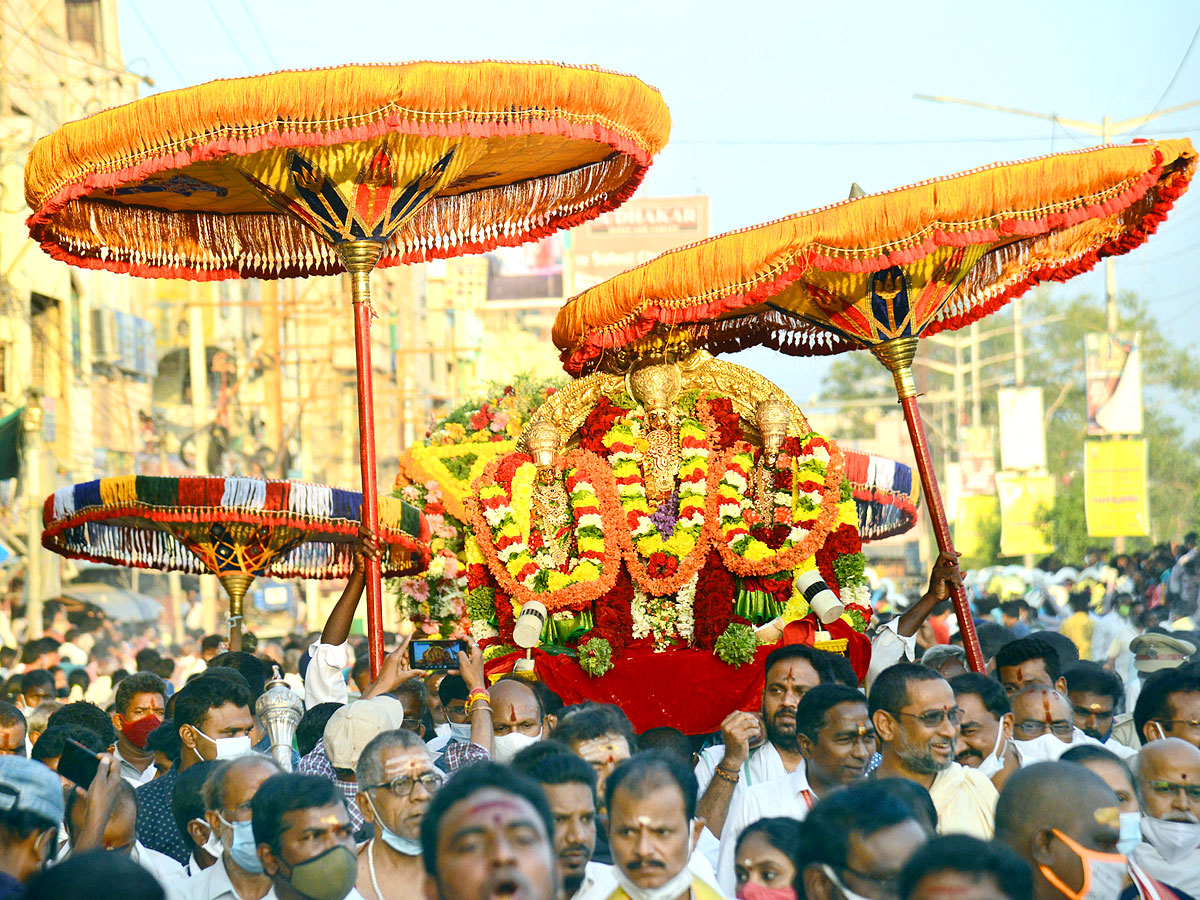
1105	129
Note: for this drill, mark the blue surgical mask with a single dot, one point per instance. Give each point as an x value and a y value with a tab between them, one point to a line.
243	850
460	731
1131	832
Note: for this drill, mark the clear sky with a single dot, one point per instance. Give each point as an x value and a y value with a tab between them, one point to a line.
777	106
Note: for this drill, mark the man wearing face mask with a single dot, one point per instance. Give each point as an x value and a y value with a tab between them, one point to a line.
854	844
1043	726
1169	706
212	717
237	874
1114	772
836	739
187	808
304	840
1095	693
396	781
518	718
138	709
1065	822
653	828
31	808
984	728
1168	774
916	717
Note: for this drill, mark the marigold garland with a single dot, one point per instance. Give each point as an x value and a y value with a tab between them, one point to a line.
590	573
814	506
661	566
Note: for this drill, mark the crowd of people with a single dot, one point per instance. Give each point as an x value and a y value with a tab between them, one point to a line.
1070	770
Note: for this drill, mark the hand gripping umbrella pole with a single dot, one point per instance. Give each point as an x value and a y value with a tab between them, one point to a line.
360	258
897	354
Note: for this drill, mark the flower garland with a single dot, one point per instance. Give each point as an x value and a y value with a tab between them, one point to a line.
667	619
525	575
809	507
661	565
713	607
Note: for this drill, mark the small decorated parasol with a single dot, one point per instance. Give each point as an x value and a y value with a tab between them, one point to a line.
880	271
234	528
885	493
330	170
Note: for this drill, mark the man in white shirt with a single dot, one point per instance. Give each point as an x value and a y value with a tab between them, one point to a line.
323	680
724	772
897	639
916	716
138	709
836	739
1168	775
570	786
237	874
396	782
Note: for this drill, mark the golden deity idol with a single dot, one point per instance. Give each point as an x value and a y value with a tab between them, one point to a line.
655	384
772	417
551	512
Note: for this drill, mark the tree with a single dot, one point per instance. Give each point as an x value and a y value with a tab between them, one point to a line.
1054	360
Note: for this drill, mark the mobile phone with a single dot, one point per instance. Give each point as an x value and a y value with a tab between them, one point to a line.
438	655
78	763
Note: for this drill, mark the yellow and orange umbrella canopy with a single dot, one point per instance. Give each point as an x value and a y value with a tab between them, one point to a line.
433	159
915	260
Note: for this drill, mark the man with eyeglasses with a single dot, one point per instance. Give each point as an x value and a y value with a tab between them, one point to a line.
1043	726
1169	706
237	874
1168	775
916	718
854	845
396	782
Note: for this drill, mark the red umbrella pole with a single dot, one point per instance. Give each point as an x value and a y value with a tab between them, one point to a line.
360	258
897	355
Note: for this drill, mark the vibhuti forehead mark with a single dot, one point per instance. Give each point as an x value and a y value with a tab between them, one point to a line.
1108	815
399	765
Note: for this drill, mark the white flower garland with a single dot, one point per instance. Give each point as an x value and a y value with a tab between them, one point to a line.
666	619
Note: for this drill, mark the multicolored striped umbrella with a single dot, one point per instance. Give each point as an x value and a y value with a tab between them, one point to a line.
882	270
234	528
885	492
329	170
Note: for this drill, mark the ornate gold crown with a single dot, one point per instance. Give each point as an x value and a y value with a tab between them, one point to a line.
654	383
541	436
773	417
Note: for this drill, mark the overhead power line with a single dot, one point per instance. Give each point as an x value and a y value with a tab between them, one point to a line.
1175	77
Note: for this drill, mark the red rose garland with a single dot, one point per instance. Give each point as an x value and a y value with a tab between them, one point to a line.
712	610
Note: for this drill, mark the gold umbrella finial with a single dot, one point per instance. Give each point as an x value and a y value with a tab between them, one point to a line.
856	191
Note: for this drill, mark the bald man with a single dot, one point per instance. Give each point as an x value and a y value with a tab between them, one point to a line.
1043	724
1168	775
518	718
1060	818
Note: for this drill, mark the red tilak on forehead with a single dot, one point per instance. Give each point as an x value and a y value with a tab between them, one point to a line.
1046	705
512	715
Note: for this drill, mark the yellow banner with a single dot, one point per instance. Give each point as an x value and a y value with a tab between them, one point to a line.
1116	499
1021	497
975	512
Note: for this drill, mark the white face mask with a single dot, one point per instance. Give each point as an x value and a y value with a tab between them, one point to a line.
230	747
509	745
846	892
1044	748
681	883
460	732
1131	832
212	845
994	761
1172	840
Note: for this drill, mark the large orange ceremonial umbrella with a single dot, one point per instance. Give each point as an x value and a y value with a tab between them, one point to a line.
880	271
323	171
